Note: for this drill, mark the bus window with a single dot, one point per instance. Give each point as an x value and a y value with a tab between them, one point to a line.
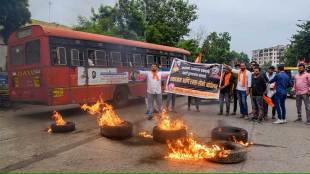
163	61
32	52
75	57
91	57
127	60
61	58
115	59
149	60
100	58
137	60
17	55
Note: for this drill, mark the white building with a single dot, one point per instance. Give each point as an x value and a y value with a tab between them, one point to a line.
3	50
266	55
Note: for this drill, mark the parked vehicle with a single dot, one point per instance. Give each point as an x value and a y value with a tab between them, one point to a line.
4	90
56	66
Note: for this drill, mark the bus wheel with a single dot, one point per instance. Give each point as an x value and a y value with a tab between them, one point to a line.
120	98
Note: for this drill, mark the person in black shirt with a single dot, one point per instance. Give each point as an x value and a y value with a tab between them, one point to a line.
258	90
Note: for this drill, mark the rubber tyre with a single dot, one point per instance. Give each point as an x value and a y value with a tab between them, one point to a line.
162	136
121	131
238	153
120	97
227	133
68	127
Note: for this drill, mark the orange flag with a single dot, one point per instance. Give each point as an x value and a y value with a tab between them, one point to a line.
268	101
198	58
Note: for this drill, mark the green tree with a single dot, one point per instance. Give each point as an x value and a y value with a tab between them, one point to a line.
236	57
13	14
299	46
191	45
266	65
156	21
216	48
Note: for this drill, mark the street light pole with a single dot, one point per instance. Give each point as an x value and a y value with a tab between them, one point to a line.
145	15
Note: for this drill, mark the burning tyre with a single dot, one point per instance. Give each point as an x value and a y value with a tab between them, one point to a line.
67	127
228	133
60	125
162	136
121	131
237	153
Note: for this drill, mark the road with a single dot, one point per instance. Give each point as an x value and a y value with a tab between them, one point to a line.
26	146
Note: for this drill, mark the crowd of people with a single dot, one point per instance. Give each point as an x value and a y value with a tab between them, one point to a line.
266	90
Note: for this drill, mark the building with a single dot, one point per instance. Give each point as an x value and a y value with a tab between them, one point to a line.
266	55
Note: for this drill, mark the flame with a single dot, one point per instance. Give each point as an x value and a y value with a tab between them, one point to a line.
145	134
189	149
49	129
105	113
164	122
246	144
58	118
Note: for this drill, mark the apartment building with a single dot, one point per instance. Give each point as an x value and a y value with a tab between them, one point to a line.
272	54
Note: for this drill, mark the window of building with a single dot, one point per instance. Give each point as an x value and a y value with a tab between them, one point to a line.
100	58
115	59
32	52
163	61
17	55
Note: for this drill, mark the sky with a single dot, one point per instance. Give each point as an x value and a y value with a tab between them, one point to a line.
253	24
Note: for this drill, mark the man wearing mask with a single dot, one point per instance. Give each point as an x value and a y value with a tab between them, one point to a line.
269	75
282	82
225	91
301	88
244	79
154	88
258	89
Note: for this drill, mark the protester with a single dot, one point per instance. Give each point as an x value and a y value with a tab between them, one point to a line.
258	88
234	90
269	75
170	101
301	88
189	101
243	89
154	89
282	83
225	91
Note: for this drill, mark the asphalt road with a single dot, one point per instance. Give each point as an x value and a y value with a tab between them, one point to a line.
26	146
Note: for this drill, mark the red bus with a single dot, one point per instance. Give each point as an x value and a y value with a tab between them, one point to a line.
57	66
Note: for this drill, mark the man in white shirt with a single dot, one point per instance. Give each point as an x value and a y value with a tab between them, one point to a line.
243	88
154	90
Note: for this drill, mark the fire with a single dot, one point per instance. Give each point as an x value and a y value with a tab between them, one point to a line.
246	144
164	122
189	149
49	129
105	113
58	118
145	134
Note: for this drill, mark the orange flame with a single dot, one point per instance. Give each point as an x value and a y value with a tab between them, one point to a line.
246	144
58	118
189	149
105	113
164	122
145	134
49	129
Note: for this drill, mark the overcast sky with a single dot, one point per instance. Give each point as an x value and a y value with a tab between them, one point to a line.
253	24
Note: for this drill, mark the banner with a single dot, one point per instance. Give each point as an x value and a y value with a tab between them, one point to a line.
194	79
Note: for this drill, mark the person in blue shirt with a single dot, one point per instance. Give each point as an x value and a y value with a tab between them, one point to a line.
282	83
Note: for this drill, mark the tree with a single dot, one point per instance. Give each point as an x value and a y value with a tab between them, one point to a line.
156	21
299	46
13	14
237	57
191	45
266	65
216	48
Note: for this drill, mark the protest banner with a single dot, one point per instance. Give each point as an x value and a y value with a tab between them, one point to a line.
194	79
